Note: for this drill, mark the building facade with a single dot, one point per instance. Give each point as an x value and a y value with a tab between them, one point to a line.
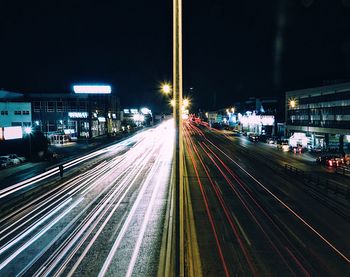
74	115
79	115
15	114
322	114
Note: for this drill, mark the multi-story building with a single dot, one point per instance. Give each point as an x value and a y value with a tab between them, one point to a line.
80	115
77	115
322	114
15	114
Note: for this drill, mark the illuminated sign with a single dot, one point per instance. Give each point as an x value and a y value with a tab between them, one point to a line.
78	114
92	89
101	119
68	131
126	111
134	111
14	132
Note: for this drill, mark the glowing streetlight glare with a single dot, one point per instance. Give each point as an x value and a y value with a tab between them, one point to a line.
28	130
292	103
166	88
233	110
172	102
186	102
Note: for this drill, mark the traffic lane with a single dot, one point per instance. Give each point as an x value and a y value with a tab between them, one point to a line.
74	203
292	189
94	203
311	256
279	158
74	164
337	235
238	255
31	169
243	252
210	248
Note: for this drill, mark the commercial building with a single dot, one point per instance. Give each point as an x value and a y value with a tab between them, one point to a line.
321	114
15	114
76	115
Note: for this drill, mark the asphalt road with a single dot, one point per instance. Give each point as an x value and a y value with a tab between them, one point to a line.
252	218
105	215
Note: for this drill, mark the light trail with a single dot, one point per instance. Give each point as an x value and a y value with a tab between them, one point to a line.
317	233
93	198
225	209
210	217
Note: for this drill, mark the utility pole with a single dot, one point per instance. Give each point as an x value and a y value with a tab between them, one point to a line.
177	94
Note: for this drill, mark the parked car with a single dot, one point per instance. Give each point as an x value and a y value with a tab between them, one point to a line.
5	162
14	156
16	159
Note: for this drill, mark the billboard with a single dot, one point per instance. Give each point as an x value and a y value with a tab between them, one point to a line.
92	89
14	132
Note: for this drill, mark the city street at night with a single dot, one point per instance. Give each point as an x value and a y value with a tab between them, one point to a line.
176	138
105	215
252	217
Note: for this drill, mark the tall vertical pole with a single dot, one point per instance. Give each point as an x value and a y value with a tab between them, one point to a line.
177	94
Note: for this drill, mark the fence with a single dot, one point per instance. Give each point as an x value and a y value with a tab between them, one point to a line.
322	183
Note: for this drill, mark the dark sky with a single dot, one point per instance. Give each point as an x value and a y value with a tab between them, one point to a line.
232	49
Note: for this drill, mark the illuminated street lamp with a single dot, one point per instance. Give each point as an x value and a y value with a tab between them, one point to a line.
233	110
166	88
292	103
172	102
186	102
28	131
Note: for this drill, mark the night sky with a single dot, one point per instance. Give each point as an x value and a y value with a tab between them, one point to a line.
232	49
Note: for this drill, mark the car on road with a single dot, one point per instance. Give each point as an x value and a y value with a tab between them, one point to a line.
5	162
330	160
253	137
271	140
283	145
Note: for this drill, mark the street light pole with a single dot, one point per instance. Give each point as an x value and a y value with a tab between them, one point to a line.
177	96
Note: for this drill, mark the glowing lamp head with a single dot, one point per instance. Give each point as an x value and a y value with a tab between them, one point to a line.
293	103
172	102
166	88
27	130
186	102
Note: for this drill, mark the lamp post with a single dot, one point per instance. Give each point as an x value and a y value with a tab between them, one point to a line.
178	166
28	131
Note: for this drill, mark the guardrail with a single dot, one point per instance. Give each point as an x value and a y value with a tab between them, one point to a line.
316	181
343	170
325	191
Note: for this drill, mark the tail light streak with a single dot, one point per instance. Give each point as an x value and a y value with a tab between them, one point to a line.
285	205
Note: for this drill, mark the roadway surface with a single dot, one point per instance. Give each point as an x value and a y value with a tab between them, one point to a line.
105	215
252	218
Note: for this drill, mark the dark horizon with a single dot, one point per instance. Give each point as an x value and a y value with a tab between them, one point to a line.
231	50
